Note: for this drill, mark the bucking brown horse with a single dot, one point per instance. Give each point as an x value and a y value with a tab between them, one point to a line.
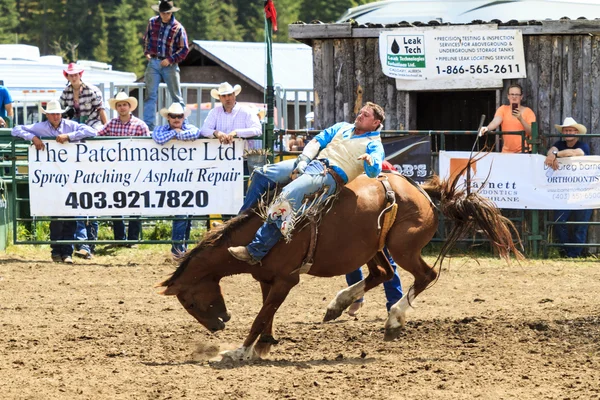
348	237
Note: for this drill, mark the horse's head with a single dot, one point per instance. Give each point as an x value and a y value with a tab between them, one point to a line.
204	302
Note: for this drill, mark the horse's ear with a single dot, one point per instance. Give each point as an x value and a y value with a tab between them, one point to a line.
169	290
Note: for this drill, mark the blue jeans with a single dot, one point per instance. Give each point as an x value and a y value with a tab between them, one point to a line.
154	74
86	230
573	233
62	230
181	231
135	227
289	202
392	288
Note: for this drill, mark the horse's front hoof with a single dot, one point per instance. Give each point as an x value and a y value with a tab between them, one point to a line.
392	333
332	313
239	354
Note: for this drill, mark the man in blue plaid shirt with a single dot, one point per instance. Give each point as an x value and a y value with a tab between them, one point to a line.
177	128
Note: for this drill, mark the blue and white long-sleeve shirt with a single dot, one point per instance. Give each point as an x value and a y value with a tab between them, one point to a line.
162	134
342	148
74	130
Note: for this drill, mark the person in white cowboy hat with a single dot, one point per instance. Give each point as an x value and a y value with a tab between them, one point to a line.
177	128
165	46
569	146
231	119
63	131
83	100
125	124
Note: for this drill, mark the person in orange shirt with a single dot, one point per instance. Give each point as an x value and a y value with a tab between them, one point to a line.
513	117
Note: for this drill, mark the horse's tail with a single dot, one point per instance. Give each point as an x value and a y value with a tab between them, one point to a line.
468	211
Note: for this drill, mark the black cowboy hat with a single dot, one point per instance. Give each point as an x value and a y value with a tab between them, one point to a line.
165	6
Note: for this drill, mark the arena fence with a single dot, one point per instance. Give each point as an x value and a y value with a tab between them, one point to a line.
534	226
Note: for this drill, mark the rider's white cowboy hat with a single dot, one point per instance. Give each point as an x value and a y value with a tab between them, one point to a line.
175	109
225	88
53	107
120	97
73	69
570	122
164	6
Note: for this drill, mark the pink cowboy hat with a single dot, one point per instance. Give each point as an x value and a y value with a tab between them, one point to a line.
73	68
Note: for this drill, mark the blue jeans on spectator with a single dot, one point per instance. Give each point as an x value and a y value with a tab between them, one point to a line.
181	231
133	231
86	230
392	288
153	76
573	233
62	230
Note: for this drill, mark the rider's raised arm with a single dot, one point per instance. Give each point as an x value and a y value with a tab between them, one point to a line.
375	150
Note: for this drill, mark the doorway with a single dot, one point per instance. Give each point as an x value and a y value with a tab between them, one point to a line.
454	111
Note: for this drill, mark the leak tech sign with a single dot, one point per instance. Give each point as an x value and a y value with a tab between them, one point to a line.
406	51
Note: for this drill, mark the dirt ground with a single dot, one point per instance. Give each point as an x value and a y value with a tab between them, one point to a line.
98	330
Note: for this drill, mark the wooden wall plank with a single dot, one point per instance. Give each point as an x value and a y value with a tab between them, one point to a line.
530	84
318	75
360	74
339	70
556	81
577	81
328	85
371	47
567	78
544	79
585	94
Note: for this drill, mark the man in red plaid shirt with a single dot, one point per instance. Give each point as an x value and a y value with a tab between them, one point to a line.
125	124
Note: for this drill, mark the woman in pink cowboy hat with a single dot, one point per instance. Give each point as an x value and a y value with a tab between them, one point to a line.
83	100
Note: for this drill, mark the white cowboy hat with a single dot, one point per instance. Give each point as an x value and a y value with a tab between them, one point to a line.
225	88
570	122
53	107
120	97
175	109
164	6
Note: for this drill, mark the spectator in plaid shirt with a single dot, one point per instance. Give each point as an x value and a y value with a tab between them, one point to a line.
125	125
83	101
177	128
165	46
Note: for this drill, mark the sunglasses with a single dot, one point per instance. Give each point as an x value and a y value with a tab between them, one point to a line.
176	116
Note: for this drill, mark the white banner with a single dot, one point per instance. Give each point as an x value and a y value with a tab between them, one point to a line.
522	181
136	177
462	55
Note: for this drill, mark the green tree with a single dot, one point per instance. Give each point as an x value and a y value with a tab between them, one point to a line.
100	36
210	20
8	21
125	50
250	18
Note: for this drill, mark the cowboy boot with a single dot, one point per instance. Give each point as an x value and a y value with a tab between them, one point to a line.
242	254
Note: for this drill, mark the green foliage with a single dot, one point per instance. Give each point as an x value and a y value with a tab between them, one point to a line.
160	230
39	231
112	30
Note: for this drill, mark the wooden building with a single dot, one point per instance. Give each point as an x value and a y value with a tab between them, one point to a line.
563	79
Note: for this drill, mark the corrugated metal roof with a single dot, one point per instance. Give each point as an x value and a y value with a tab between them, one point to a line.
466	11
292	62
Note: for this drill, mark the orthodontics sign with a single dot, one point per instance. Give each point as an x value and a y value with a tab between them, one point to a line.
136	177
522	181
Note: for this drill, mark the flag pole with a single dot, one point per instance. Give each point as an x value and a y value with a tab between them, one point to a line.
270	23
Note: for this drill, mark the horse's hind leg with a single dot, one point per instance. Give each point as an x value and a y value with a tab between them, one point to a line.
424	275
380	271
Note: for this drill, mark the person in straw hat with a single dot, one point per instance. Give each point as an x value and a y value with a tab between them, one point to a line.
165	46
125	124
63	131
177	128
84	100
569	146
231	119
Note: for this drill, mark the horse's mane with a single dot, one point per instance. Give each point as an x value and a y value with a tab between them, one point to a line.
213	238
